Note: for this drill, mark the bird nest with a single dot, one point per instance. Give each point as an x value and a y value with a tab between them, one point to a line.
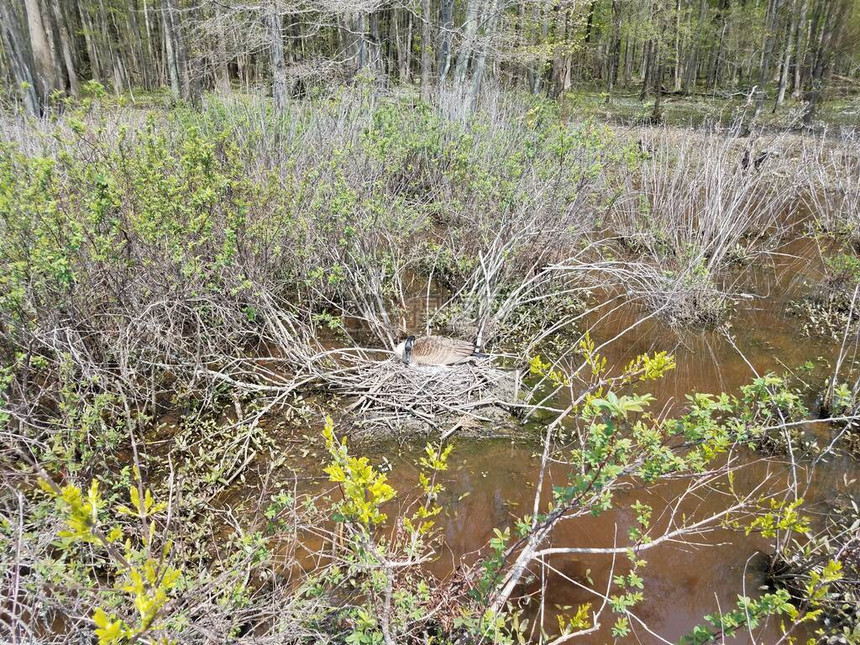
390	396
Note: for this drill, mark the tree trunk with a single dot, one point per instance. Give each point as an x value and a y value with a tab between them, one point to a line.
481	60
394	26
629	56
647	70
222	70
192	86
68	60
374	44
445	52
691	72
408	65
151	59
562	57
279	70
89	38
786	56
361	39
45	74
832	23
614	49
136	42
173	69
589	22
716	68
465	53
657	114
799	54
677	63
767	53
15	44
543	15
426	53
52	33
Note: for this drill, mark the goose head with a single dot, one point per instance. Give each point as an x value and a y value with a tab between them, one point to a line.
403	351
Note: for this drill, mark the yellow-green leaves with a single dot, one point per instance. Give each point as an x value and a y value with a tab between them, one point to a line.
781	516
538	367
364	489
650	368
148	580
81	512
149	587
819	582
107	629
144	507
580	620
595	361
621	406
436	459
435	462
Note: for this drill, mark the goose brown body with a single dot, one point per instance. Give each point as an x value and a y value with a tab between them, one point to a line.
435	350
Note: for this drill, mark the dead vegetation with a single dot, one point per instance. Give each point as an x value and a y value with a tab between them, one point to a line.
253	262
694	209
395	397
832	185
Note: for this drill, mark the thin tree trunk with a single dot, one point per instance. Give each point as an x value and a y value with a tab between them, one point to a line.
361	38
279	71
89	38
136	41
173	69
445	52
544	34
121	77
192	90
832	23
222	71
614	49
690	75
20	60
589	22
716	68
395	26
786	57
657	64
392	46
767	53
629	56
409	48
151	60
68	60
471	30
481	59
647	68
677	62
426	53
374	43
799	54
45	74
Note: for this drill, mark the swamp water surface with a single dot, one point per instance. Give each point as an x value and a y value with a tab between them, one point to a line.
491	481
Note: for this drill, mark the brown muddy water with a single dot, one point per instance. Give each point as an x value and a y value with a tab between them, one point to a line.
492	481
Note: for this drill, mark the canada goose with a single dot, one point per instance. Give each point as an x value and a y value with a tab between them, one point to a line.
758	161
436	350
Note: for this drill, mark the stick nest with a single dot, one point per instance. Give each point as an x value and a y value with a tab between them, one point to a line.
392	396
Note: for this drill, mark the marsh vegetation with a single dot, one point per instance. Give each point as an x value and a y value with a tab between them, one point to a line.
206	433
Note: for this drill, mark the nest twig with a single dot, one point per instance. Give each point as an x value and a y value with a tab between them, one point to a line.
389	394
